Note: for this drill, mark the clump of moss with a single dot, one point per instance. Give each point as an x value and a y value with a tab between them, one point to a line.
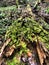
26	28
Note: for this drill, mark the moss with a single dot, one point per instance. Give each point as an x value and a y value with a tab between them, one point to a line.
17	31
47	10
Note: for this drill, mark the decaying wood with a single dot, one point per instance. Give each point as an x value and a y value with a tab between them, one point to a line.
41	55
1	61
41	50
9	50
43	47
3	47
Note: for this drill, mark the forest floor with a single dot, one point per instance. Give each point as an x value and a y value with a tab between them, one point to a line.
24	34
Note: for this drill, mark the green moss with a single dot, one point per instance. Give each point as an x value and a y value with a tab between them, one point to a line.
17	31
13	61
7	8
47	10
